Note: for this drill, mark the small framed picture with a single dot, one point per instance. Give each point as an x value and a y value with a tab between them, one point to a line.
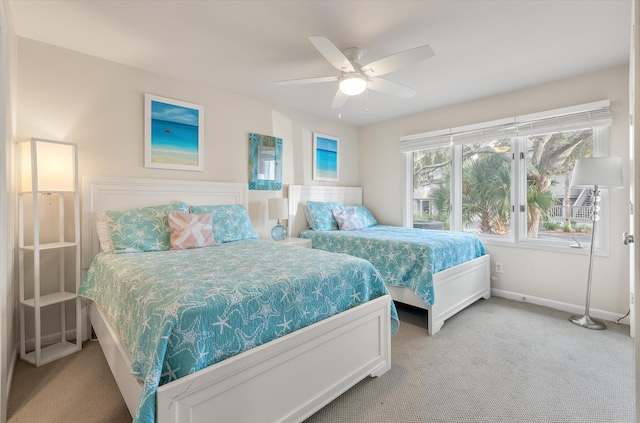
173	134
325	157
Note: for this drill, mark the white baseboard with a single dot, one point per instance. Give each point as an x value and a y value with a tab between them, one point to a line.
12	368
569	308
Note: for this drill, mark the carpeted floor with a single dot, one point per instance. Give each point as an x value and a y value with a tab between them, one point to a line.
78	388
497	361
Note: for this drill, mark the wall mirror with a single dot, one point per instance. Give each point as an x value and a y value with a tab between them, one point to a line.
265	162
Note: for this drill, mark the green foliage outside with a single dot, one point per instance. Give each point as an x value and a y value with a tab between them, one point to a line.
486	182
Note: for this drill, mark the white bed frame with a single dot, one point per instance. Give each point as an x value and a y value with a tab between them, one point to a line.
454	288
287	379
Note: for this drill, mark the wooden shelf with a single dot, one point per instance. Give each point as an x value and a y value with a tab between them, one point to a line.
55	298
49	246
52	352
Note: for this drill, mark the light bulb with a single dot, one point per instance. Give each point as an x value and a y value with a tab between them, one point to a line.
352	84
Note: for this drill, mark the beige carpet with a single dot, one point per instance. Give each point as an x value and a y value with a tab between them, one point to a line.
497	361
77	388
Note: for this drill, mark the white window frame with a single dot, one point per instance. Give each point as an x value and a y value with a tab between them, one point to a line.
518	237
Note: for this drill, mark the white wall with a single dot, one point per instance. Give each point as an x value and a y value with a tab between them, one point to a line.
8	332
552	276
69	96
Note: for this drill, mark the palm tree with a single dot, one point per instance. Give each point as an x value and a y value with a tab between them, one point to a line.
486	188
486	192
539	202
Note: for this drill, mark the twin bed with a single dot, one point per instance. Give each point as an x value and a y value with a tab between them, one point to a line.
438	271
250	330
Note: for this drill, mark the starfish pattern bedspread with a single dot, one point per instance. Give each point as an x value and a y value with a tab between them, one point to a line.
404	256
179	311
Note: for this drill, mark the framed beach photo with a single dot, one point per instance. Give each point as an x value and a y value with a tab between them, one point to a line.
325	157
173	134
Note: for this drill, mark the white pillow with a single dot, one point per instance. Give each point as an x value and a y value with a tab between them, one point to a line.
103	233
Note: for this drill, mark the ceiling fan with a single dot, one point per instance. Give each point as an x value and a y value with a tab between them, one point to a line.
355	78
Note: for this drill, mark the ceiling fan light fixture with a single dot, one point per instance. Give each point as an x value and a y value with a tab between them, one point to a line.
353	84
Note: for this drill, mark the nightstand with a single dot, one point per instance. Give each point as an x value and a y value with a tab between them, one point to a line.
299	242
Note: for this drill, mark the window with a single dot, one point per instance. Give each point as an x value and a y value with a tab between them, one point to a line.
555	210
486	187
508	180
431	193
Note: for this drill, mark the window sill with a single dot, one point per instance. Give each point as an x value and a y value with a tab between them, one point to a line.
543	246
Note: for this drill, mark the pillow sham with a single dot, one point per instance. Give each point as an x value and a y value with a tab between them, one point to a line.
229	222
365	216
320	216
103	233
190	230
142	229
347	219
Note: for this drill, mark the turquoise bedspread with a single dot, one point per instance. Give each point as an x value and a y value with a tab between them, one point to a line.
180	311
404	256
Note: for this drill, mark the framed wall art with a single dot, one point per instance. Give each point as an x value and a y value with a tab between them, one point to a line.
265	162
325	157
173	134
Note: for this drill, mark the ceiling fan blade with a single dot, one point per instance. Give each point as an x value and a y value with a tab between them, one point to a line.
339	100
398	61
332	54
307	80
390	87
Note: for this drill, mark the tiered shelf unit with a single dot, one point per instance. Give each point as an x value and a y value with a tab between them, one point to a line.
49	171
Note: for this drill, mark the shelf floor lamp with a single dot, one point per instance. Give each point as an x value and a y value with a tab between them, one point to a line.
595	173
278	209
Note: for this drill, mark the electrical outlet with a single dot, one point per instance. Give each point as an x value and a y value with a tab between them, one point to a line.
498	267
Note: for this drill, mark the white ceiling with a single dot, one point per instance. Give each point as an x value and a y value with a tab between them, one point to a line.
481	47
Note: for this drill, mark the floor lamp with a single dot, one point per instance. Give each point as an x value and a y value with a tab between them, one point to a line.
595	173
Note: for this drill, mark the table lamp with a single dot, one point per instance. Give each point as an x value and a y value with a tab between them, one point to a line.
278	209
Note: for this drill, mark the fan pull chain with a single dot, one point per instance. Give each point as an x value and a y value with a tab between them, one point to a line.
366	101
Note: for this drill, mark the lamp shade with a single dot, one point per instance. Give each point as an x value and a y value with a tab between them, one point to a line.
278	208
352	85
605	172
48	166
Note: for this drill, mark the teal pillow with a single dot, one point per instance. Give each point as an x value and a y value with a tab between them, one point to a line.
230	222
142	229
320	216
365	216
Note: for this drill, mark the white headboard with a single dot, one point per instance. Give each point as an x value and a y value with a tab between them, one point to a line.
105	193
300	194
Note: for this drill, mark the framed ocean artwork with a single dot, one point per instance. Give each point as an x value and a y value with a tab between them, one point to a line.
173	134
325	157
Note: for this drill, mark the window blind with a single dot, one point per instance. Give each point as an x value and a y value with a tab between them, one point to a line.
590	115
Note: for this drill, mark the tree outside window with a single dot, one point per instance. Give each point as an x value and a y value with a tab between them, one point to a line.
554	211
